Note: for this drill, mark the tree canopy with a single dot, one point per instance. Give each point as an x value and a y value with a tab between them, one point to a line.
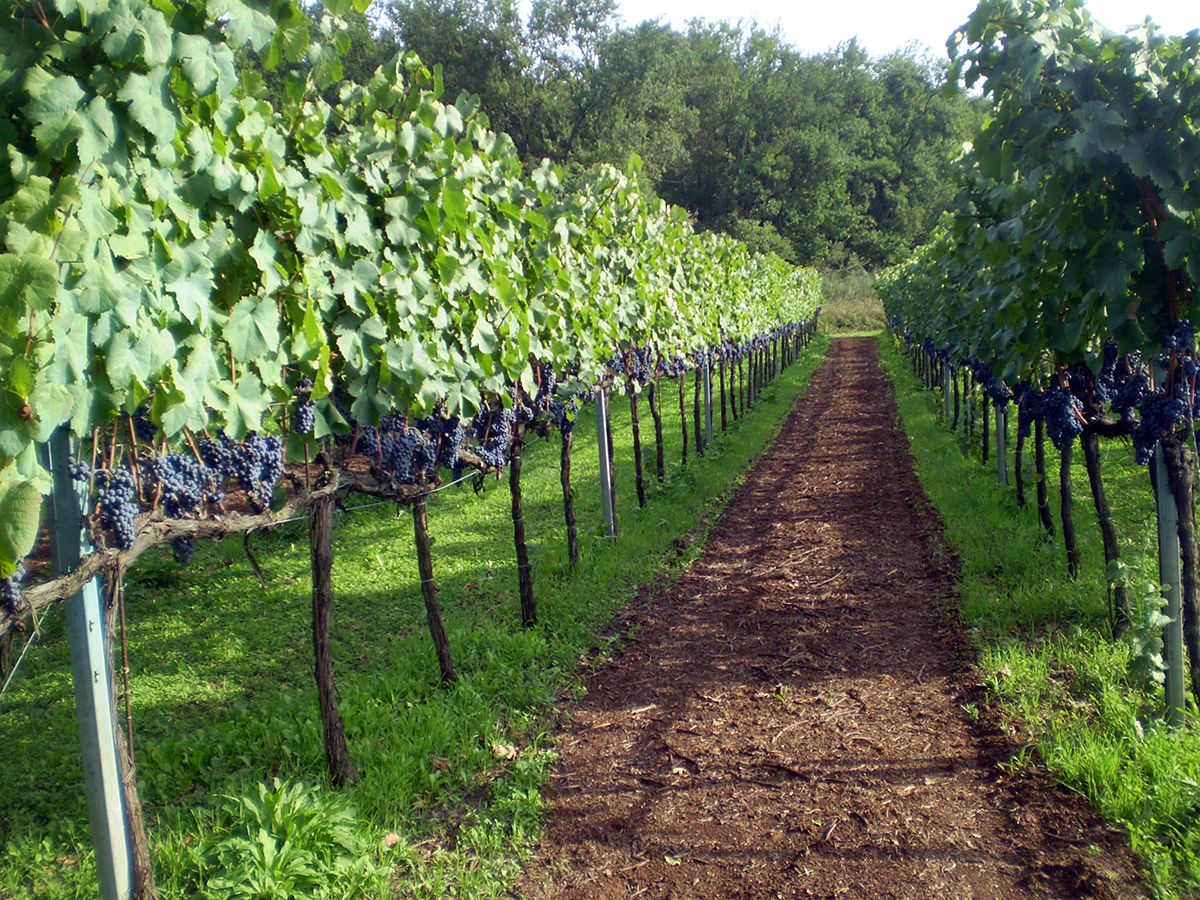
837	158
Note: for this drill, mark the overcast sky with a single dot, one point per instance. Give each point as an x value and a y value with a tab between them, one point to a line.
813	26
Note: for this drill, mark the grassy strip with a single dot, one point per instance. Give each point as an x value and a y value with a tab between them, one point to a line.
849	304
228	740
1044	653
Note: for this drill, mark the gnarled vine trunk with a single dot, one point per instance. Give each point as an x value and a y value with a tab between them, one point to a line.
320	536
1108	533
433	611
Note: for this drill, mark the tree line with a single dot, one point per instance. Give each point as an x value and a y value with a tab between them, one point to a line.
836	159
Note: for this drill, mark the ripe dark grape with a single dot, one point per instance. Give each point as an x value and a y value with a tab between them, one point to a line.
1030	407
304	414
1130	394
492	428
547	384
563	415
453	440
368	441
80	472
183	481
119	505
993	387
10	591
1106	381
257	464
218	458
522	408
1182	339
396	454
1063	412
1160	417
142	426
184	550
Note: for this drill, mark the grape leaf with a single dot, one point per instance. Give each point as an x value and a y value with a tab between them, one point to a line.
26	283
20	516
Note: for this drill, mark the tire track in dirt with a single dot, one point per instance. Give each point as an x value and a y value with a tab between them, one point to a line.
788	723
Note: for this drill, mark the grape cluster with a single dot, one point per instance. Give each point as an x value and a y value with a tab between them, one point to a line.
80	472
1182	339
1030	407
636	363
142	426
1160	416
10	591
522	405
184	548
304	414
451	438
182	478
1106	383
563	414
547	385
1131	392
1063	413
119	504
217	456
257	463
993	387
493	428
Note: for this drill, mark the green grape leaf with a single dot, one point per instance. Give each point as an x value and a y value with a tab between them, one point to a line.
53	405
243	22
56	109
97	288
20	516
1101	129
253	328
244	406
151	106
137	361
200	62
265	252
192	296
26	283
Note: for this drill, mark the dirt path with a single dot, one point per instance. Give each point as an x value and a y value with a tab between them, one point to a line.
789	721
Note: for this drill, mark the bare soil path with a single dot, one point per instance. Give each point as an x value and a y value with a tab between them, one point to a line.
789	721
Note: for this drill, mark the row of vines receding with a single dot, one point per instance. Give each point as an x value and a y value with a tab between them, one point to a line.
218	314
1064	281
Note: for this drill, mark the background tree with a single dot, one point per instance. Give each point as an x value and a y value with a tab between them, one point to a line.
838	159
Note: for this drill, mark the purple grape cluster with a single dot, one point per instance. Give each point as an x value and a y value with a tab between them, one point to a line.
672	366
119	504
257	463
182	478
1182	339
184	549
547	384
304	410
217	456
492	428
1106	382
1160	416
636	363
995	389
1063	413
563	415
142	426
80	472
1030	407
10	591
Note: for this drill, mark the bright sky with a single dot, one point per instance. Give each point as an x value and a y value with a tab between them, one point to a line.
813	26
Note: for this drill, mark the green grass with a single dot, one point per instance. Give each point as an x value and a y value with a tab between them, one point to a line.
227	735
850	305
1044	654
